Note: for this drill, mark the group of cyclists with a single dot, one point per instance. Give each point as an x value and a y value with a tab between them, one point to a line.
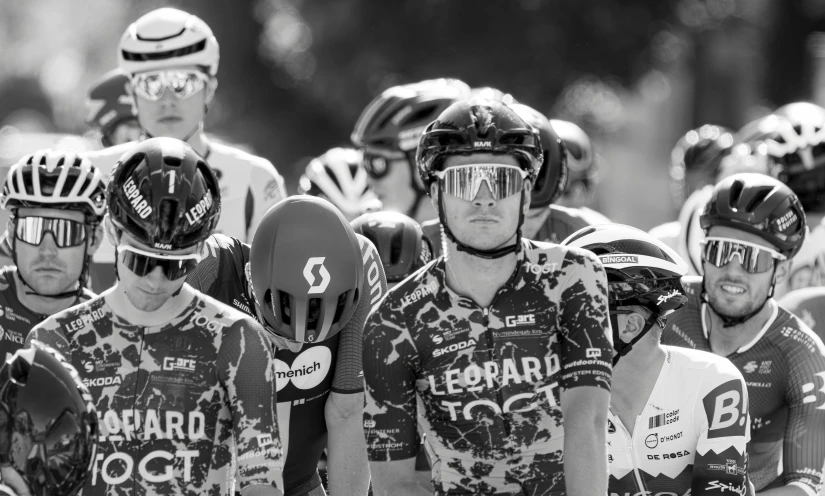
437	311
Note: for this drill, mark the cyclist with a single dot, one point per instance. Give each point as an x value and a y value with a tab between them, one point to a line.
388	130
48	425
504	367
399	240
171	58
109	109
664	400
685	235
754	225
339	176
56	201
315	282
183	384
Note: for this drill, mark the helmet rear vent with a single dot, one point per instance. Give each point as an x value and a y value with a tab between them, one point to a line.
736	190
283	301
339	307
313	314
758	198
396	246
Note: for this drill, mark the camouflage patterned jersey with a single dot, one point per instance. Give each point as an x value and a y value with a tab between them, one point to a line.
562	222
175	401
487	380
15	319
784	369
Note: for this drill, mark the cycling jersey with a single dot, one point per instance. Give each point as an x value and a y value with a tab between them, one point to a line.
16	320
809	305
686	234
305	377
692	435
487	380
784	369
250	185
178	403
561	223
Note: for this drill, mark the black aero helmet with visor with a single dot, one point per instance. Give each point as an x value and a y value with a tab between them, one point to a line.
108	104
795	136
400	242
641	271
55	179
48	424
552	177
167	198
479	126
389	128
305	269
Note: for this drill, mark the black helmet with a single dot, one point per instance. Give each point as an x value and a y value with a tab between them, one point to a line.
582	167
298	240
760	205
641	270
391	125
478	126
108	104
164	194
400	242
552	177
697	152
48	424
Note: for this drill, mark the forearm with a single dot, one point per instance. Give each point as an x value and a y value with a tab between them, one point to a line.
347	464
783	491
585	456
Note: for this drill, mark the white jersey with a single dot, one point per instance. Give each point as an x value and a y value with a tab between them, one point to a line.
692	434
250	185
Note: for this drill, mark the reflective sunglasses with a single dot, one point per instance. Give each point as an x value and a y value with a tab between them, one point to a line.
66	233
754	258
464	181
183	84
377	164
142	262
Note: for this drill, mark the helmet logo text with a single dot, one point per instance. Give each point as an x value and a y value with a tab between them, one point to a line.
663	298
321	286
619	259
483	144
139	203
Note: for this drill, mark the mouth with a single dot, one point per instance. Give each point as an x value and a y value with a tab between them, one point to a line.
732	289
484	220
170	119
150	292
47	270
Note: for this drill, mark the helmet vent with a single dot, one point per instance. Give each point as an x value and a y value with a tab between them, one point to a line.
758	198
167	211
172	161
339	307
396	246
283	300
736	190
313	314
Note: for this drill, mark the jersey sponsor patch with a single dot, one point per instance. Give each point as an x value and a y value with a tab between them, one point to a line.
723	407
815	391
307	371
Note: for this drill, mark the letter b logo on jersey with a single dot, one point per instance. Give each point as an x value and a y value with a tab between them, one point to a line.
321	286
725	409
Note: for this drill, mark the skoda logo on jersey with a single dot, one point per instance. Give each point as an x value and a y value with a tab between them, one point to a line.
307	370
321	286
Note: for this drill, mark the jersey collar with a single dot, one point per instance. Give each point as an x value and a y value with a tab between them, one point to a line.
752	343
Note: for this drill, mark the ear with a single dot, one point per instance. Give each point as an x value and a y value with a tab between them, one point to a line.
111	230
783	270
434	194
211	87
633	325
97	238
528	194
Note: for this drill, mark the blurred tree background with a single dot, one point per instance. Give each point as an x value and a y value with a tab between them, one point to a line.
295	74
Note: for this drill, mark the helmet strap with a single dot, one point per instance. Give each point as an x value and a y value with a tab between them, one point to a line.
488	254
420	192
620	346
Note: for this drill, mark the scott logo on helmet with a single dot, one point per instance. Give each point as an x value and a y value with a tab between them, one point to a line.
200	209
321	286
139	203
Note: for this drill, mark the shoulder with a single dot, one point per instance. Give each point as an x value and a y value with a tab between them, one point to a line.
718	369
415	292
552	257
794	338
76	318
86	294
219	243
221	154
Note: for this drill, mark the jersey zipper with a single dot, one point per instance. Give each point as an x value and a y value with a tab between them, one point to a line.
492	354
639	481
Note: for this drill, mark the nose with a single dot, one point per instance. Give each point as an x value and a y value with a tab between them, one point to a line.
156	277
735	264
48	245
484	197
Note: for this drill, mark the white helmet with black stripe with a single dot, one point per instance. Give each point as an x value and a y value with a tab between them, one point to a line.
340	177
167	38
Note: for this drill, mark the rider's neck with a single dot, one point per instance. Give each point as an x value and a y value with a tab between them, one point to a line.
726	340
122	306
478	278
40	304
199	142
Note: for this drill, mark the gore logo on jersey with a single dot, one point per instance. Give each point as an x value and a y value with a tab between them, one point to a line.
200	209
483	144
139	203
102	381
184	364
619	259
307	370
520	320
454	347
725	410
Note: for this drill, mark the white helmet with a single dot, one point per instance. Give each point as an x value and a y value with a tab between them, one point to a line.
339	175
167	38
